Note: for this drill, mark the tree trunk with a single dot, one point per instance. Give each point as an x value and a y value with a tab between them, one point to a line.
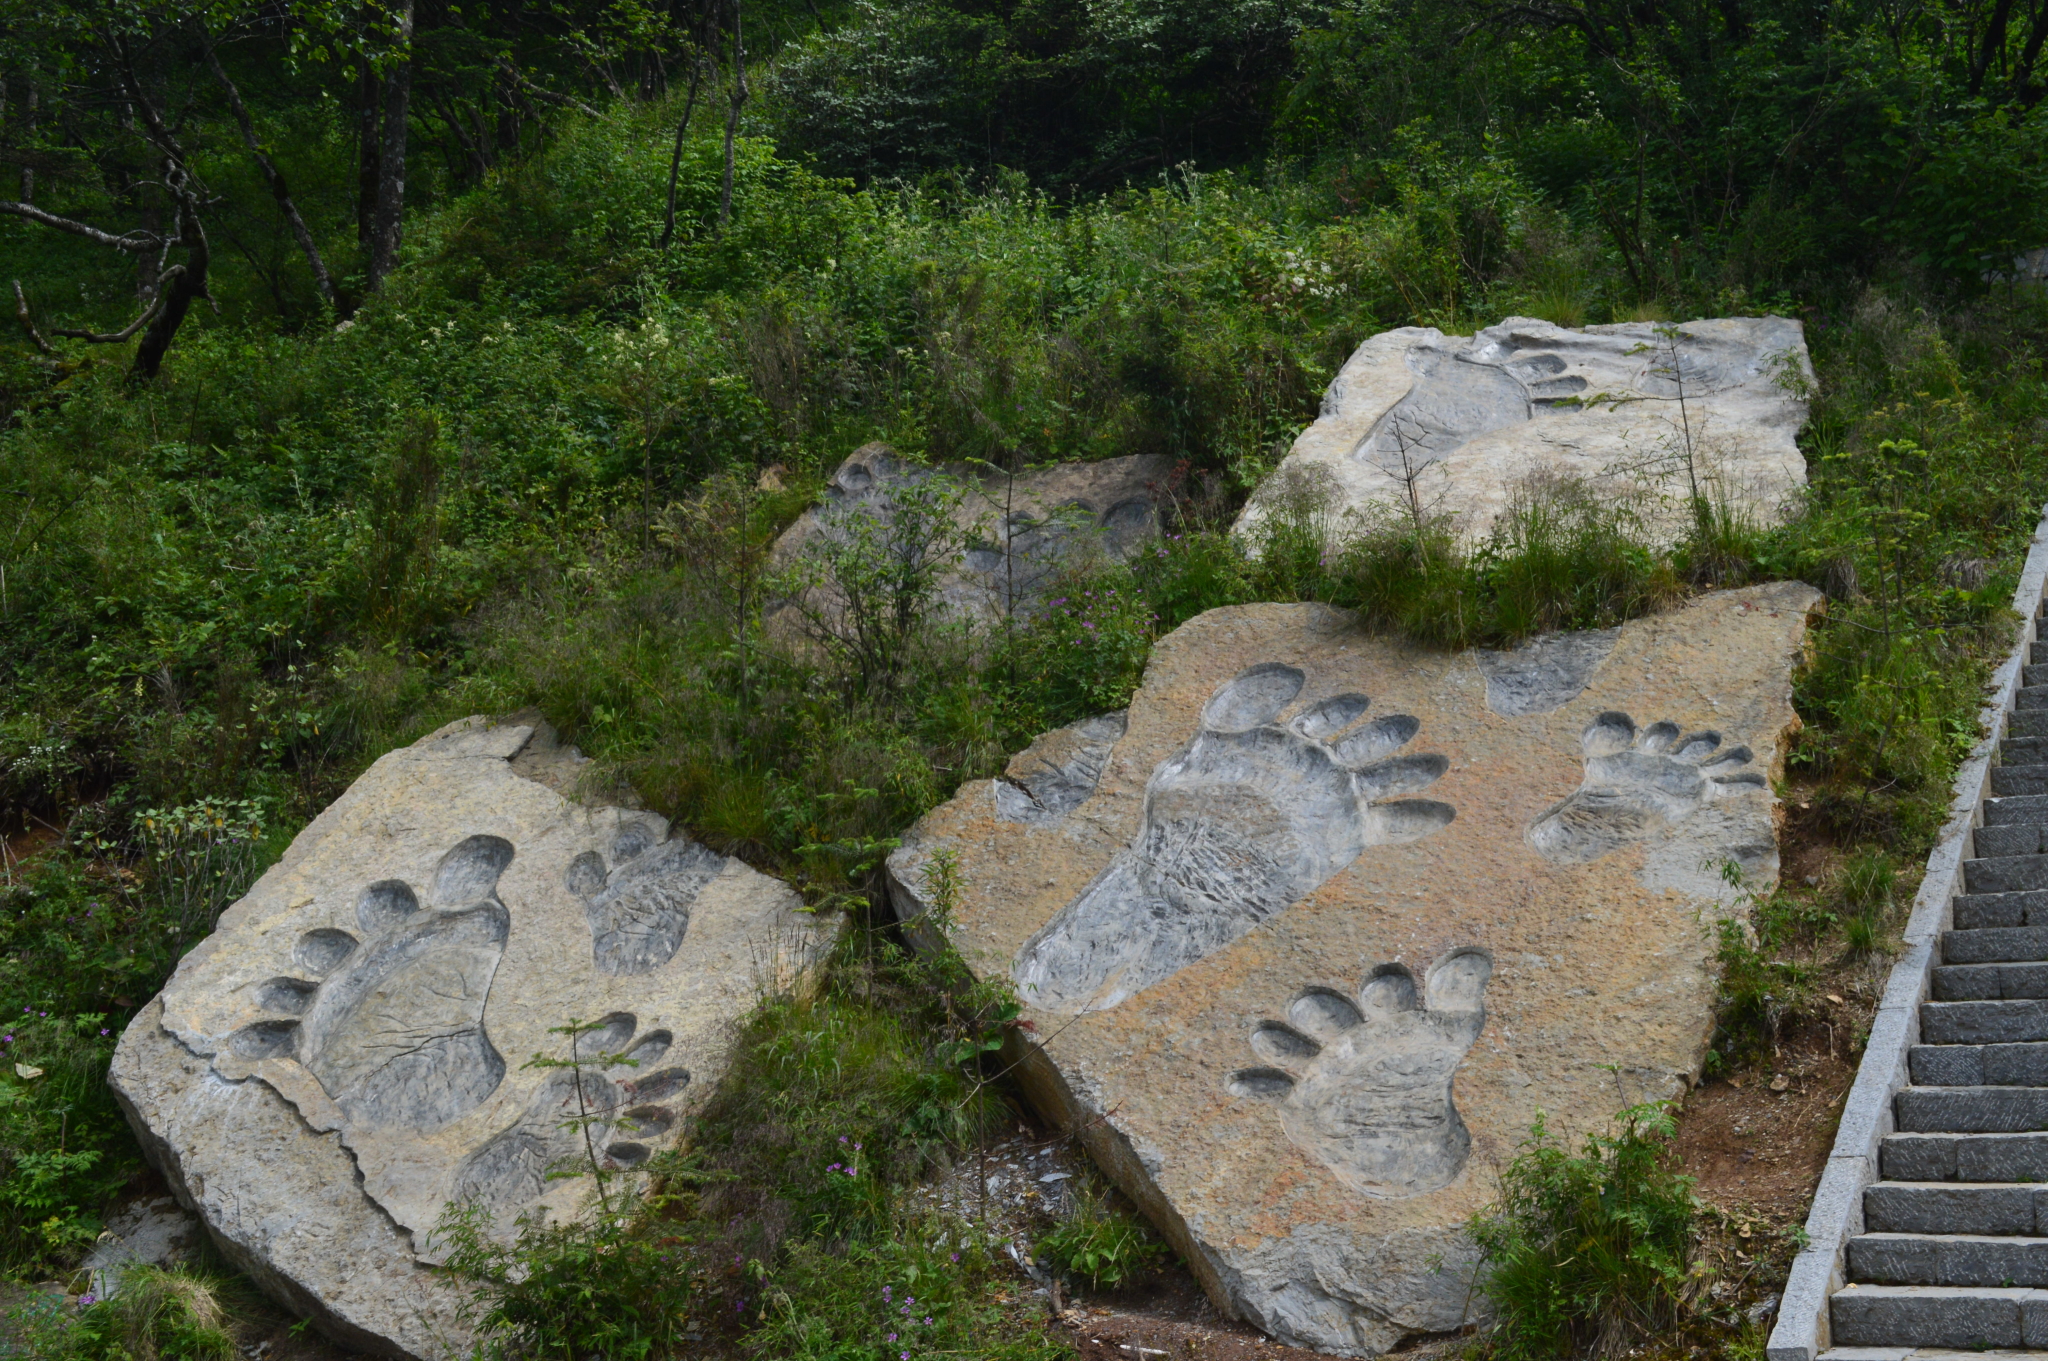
369	95
184	286
675	159
732	117
28	175
391	160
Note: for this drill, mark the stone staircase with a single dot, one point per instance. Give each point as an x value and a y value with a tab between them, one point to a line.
1953	1256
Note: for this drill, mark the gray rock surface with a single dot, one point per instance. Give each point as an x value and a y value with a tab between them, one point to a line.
1458	426
346	1053
156	1232
1018	536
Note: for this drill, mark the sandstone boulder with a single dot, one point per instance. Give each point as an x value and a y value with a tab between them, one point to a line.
1018	534
346	1053
1456	426
1338	917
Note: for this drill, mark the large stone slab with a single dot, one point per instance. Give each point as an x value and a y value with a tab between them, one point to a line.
1018	533
1457	426
346	1053
1339	916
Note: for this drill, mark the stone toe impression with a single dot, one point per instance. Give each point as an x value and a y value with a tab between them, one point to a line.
391	1022
1261	807
621	1098
640	910
1364	1085
1636	784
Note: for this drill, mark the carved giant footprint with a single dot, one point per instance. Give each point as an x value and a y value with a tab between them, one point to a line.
1251	816
1366	1087
392	1024
639	912
512	1168
1635	784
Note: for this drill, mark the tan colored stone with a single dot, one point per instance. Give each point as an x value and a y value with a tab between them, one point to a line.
1342	915
1466	423
346	1053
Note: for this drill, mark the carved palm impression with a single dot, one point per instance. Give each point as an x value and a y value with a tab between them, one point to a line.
1638	784
1259	810
1365	1085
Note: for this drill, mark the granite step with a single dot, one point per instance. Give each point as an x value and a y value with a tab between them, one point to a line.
2006	874
2025	838
1947	1259
1996	944
2005	1209
2026	725
2020	779
1978	1065
1928	1354
1964	1157
2020	807
1978	911
2031	697
2023	751
1991	982
1983	1022
1972	1317
1971	1110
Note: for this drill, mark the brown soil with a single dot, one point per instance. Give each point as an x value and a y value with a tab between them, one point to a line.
1756	1141
1171	1319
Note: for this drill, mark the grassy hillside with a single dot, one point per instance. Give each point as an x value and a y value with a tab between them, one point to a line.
542	466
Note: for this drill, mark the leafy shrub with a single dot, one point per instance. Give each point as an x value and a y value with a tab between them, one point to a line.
1587	1253
1085	652
1100	1243
600	1286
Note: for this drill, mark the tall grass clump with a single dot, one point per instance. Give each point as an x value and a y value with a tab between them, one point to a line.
1586	1254
156	1314
1562	555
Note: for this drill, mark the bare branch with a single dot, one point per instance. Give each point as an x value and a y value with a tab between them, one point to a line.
543	93
28	322
136	241
148	315
300	232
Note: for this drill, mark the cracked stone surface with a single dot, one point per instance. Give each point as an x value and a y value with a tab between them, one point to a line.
1472	419
345	1054
1407	898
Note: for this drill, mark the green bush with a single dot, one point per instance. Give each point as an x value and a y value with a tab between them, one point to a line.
1100	1243
1587	1253
600	1286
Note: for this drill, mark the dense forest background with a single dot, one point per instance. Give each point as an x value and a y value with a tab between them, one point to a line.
375	364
